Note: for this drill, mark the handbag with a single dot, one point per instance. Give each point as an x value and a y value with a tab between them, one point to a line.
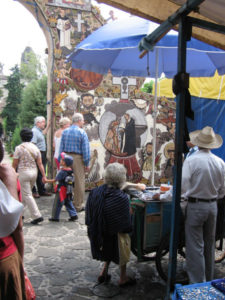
10	211
32	154
30	293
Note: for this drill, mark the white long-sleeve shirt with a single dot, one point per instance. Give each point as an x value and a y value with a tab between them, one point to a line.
203	176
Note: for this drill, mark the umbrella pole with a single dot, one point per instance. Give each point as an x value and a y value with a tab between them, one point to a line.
154	117
184	34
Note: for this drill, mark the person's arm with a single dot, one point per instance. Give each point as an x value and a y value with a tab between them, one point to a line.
18	238
186	177
221	191
34	138
15	163
61	146
138	186
49	180
41	168
9	177
47	127
86	152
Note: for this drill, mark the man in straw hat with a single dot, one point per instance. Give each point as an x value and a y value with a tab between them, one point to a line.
202	184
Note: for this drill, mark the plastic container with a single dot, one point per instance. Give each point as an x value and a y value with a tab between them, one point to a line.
164	188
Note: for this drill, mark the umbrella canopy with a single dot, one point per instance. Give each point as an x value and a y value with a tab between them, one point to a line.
114	47
159	11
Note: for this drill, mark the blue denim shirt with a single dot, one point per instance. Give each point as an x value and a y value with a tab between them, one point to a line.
75	140
38	138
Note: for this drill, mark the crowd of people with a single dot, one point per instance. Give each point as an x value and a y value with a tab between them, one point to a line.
107	211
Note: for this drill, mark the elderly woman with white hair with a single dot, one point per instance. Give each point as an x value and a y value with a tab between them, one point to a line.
64	123
108	219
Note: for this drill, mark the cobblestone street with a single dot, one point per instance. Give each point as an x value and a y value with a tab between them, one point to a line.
59	264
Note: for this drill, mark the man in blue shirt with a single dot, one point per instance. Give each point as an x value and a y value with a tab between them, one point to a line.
192	148
75	142
38	139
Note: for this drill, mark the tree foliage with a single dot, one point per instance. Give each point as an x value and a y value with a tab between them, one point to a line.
33	102
30	66
11	110
148	87
16	139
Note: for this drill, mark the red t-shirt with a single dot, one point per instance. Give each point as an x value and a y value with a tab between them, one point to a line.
7	244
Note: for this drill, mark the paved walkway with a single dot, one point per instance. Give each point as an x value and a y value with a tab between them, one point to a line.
59	264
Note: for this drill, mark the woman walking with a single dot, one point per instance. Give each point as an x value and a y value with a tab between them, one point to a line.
26	159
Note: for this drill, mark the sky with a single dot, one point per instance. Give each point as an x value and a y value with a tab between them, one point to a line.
16	32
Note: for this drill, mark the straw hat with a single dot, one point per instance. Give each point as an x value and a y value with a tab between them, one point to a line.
206	138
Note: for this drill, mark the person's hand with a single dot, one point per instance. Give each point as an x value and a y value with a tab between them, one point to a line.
141	186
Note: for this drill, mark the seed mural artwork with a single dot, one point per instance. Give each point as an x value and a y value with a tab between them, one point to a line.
118	115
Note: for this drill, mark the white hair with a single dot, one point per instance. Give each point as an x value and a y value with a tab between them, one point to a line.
39	119
115	175
64	121
77	117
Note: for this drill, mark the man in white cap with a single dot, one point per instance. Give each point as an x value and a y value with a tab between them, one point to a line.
202	184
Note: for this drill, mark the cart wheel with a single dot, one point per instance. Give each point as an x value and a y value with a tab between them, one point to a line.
144	256
162	261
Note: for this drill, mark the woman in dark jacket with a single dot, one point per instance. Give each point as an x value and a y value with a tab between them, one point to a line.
109	222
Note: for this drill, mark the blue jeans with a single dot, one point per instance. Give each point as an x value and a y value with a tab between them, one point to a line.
57	206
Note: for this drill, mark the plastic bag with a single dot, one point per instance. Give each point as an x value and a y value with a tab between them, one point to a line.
124	248
10	211
30	293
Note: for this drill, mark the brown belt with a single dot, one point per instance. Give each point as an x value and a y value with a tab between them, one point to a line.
193	200
73	153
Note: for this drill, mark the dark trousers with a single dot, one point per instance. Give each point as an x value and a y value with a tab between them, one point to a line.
40	185
57	206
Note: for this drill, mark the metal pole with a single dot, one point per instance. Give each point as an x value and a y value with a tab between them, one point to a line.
155	117
180	118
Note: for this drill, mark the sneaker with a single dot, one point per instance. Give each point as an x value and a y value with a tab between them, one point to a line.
36	221
73	219
36	195
53	220
45	194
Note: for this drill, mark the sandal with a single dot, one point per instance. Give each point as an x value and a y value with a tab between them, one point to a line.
104	278
129	282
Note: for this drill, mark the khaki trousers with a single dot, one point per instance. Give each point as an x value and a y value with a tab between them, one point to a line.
79	180
27	180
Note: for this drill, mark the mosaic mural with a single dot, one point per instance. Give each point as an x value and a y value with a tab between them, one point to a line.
118	115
